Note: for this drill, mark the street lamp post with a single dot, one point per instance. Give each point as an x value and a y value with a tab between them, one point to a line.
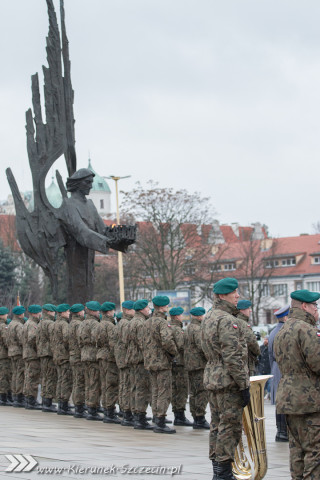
120	262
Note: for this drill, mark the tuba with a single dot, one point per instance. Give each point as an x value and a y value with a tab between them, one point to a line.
250	461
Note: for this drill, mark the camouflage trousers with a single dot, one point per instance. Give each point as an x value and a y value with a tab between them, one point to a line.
32	372
103	374
48	377
179	388
304	446
64	383
112	385
161	389
140	388
198	394
78	383
5	375
124	389
92	384
17	364
226	424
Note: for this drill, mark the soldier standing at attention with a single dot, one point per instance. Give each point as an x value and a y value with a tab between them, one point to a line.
78	383
120	351
5	365
297	351
244	307
159	352
108	368
195	362
48	369
226	376
61	358
139	377
88	334
179	373
31	359
14	337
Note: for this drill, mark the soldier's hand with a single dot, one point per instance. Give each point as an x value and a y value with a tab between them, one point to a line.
245	396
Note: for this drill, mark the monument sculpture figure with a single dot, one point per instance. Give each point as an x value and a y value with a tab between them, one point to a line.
76	226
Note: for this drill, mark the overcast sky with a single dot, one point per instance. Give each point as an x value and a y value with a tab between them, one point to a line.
220	97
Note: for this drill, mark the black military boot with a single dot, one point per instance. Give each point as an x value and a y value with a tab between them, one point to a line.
200	422
127	420
215	469
18	401
79	411
93	414
47	405
32	404
141	423
3	400
120	413
224	471
155	419
181	420
64	408
110	416
161	427
100	409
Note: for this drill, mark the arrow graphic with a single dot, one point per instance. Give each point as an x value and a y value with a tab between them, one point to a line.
21	463
14	463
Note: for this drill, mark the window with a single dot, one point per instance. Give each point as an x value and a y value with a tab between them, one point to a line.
215	267
102	204
316	259
100	185
190	270
244	289
313	286
280	290
229	266
265	290
288	262
272	263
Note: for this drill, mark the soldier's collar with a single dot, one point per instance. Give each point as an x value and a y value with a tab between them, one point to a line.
300	314
225	306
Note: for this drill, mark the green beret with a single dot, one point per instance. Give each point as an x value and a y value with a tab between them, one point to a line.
4	310
63	307
197	311
119	315
161	300
244	304
92	305
49	307
305	296
8	320
18	310
140	304
34	308
107	306
225	285
128	304
76	308
176	311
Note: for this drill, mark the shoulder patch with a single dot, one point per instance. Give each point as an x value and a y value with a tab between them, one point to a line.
235	326
169	325
318	333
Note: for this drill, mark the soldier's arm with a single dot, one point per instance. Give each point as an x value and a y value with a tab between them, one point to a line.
253	345
32	337
166	339
309	340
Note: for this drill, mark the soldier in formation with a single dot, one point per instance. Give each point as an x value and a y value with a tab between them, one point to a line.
78	383
5	363
30	357
244	307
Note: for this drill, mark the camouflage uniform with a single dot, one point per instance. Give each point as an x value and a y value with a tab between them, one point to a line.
139	377
78	383
60	350
159	351
179	373
48	368
109	374
120	352
5	364
195	363
226	375
297	352
87	338
30	356
14	338
251	340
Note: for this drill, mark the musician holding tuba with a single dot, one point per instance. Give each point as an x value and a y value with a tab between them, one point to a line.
226	376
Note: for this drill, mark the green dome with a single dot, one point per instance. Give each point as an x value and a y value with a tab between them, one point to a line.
99	183
54	195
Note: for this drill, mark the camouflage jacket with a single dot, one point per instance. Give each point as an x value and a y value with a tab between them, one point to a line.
44	333
3	340
194	358
135	339
297	350
121	341
251	340
29	335
105	340
159	346
74	349
225	348
60	340
179	340
14	336
88	333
